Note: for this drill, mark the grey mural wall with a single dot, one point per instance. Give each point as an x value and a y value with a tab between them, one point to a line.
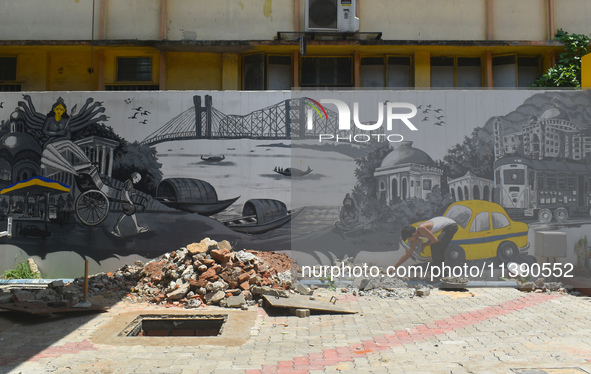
116	176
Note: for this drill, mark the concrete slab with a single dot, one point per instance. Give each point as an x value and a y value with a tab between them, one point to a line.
304	302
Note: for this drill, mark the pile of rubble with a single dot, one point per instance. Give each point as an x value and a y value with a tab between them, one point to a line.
207	272
381	285
541	285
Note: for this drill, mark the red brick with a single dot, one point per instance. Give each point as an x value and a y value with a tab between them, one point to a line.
243	277
158	333
207	274
198	283
221	255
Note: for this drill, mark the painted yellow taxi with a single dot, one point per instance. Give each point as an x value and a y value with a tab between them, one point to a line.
485	230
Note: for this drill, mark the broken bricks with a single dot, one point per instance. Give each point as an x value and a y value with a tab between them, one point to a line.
201	273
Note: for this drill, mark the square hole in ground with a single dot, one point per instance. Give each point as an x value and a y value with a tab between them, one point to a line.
162	325
117	326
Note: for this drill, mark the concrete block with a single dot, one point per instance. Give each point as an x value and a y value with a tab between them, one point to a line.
302	289
301	313
235	301
423	292
266	290
550	244
20	296
56	283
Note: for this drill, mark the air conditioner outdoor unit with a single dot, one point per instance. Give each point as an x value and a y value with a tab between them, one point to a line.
331	15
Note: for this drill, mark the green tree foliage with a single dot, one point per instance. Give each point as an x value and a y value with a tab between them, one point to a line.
567	71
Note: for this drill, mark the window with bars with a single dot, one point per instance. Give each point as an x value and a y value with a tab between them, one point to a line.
326	72
133	74
134	69
132	87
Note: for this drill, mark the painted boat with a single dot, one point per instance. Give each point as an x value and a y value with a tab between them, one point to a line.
191	195
204	209
293	172
213	158
260	216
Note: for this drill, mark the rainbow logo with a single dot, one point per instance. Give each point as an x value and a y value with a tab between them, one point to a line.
317	107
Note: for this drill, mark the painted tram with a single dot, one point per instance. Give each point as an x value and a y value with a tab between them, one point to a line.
546	189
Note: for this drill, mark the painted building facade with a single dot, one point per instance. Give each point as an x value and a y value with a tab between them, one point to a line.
471	187
407	173
255	45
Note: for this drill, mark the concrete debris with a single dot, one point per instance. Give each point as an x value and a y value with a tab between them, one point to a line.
423	292
34	268
265	290
53	295
302	313
245	257
540	285
302	289
236	301
379	284
199	274
284	278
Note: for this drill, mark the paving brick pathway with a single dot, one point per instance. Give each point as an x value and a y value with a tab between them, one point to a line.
480	331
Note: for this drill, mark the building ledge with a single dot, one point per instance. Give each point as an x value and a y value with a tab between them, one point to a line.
282	39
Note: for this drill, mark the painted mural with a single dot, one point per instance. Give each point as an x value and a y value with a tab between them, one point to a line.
502	165
134	175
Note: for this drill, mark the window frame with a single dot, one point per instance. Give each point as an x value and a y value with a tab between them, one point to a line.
411	66
351	83
130	85
476	223
517	56
134	82
386	70
243	75
495	221
456	74
11	85
268	57
265	61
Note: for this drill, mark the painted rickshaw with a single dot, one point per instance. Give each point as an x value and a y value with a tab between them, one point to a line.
93	204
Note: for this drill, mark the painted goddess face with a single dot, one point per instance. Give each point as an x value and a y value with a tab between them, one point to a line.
59	112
